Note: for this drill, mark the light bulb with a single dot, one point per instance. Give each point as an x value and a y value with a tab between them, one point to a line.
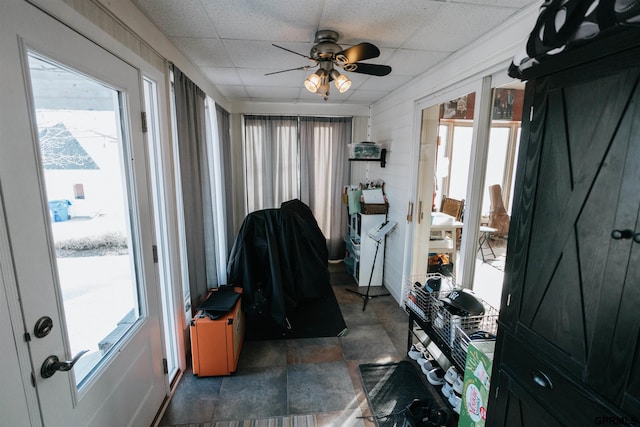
312	82
341	81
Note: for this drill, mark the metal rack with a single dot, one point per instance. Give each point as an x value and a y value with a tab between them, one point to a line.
451	333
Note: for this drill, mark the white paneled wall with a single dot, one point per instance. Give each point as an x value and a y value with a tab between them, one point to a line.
395	124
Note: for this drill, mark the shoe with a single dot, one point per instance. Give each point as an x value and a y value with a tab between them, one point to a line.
446	390
452	375
435	376
456	402
458	386
416	351
426	364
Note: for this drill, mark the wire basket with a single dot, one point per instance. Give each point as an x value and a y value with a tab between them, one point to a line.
417	297
456	331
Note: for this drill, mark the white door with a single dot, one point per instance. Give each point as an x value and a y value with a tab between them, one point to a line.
73	172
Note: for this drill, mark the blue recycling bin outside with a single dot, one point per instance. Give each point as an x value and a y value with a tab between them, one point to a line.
59	210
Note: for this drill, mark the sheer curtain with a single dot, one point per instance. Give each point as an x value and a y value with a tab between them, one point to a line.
196	187
272	172
323	172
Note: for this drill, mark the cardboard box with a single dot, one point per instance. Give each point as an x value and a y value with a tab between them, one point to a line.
477	379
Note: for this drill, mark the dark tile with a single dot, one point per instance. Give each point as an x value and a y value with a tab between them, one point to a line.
368	343
354	315
193	401
319	387
253	393
261	354
314	350
398	333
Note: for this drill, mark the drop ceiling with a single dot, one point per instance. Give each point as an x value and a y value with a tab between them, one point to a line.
230	41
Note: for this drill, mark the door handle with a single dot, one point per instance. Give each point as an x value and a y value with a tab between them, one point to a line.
410	212
52	364
541	379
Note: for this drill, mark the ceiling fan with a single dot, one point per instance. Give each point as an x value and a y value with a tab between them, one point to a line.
326	53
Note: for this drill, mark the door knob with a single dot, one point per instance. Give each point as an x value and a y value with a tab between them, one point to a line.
52	364
622	234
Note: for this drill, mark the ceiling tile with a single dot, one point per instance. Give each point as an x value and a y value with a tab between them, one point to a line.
272	92
233	92
204	51
386	83
178	18
283	20
455	25
381	22
406	62
222	76
261	54
256	77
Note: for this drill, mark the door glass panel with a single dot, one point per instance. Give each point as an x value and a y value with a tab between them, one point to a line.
83	152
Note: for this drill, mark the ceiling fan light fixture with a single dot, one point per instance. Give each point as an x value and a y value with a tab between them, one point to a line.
341	81
313	82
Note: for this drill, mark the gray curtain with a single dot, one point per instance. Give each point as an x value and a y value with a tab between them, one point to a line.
224	135
272	173
324	173
196	186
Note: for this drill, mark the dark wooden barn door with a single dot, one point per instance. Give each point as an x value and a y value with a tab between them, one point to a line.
572	289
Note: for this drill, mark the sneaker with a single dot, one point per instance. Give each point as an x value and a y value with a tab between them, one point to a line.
426	364
427	367
452	375
447	390
435	376
456	402
458	386
415	352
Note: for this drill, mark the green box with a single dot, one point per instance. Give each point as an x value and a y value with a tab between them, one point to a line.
477	378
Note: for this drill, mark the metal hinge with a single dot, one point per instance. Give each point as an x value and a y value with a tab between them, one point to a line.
531	113
155	253
165	366
508	300
143	114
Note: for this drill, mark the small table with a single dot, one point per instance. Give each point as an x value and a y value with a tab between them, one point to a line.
485	240
444	227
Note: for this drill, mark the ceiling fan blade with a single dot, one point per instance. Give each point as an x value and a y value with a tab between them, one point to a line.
360	52
292	51
372	69
306	67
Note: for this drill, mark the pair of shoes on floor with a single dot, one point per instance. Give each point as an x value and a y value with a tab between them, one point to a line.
426	364
452	375
455	388
456	402
416	351
436	376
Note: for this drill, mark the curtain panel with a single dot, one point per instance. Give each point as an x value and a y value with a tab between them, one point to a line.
304	158
196	187
324	173
272	172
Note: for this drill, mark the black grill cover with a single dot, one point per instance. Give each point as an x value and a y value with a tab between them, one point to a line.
280	259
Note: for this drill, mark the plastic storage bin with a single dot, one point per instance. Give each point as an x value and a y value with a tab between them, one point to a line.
365	150
59	210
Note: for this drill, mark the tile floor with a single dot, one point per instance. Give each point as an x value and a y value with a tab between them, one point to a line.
317	376
307	376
